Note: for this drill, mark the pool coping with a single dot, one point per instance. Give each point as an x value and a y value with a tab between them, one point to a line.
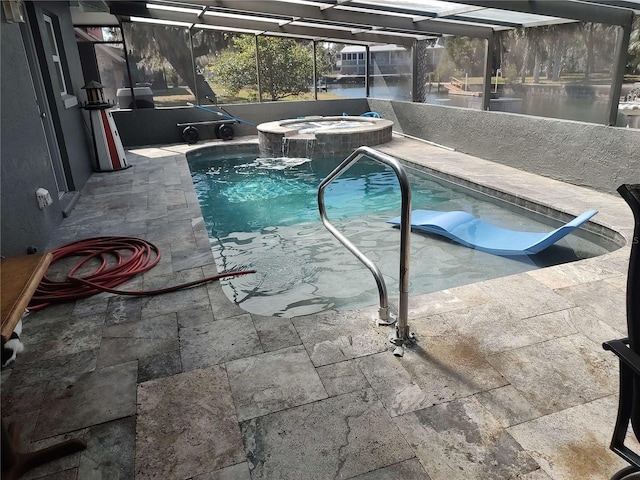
491	180
538	194
613	222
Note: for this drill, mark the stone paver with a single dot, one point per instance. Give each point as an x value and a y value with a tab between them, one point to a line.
131	341
110	451
407	470
343	377
393	384
602	299
275	333
335	338
216	342
195	316
560	373
89	399
449	367
186	426
161	365
49	336
234	472
524	296
507	405
552	442
351	434
273	381
462	440
508	378
493	327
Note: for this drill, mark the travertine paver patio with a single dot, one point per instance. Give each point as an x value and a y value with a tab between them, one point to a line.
508	379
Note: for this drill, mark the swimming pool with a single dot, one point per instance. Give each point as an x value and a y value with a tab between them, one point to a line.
262	213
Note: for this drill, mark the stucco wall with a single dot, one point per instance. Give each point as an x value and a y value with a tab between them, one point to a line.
25	164
73	130
160	123
585	154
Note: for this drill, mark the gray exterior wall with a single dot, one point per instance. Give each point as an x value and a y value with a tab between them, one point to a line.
160	123
74	131
584	154
26	162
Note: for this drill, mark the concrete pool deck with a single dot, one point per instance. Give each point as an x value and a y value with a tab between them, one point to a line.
508	379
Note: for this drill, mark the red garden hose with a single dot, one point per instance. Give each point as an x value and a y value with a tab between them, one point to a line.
119	258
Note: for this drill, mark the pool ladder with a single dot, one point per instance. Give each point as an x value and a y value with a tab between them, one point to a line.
386	315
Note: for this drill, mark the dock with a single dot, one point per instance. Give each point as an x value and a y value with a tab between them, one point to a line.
458	87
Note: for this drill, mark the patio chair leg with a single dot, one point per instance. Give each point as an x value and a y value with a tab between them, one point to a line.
625	472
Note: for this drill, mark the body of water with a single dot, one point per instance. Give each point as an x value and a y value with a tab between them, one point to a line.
568	108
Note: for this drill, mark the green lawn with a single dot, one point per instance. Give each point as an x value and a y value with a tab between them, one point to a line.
178	96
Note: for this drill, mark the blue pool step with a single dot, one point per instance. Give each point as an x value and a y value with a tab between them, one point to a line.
472	232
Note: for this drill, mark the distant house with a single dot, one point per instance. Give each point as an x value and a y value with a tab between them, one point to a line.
385	59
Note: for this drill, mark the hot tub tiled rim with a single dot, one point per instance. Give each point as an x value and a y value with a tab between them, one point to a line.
278	136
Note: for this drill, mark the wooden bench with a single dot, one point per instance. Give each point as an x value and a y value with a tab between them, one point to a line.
19	279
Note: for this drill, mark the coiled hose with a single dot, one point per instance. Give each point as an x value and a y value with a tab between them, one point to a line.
118	259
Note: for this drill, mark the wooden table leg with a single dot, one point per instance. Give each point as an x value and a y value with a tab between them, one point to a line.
16	463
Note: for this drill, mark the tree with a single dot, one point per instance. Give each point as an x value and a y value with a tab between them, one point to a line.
513	46
532	38
633	64
466	54
556	40
329	54
286	66
159	46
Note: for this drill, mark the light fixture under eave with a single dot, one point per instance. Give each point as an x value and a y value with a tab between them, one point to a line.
159	21
13	11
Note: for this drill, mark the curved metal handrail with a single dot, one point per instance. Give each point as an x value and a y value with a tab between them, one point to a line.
402	329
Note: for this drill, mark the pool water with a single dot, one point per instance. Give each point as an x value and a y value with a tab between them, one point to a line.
262	214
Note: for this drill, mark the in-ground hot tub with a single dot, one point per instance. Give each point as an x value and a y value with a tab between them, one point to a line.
321	136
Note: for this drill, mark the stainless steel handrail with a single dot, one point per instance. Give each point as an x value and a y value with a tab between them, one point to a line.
402	329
